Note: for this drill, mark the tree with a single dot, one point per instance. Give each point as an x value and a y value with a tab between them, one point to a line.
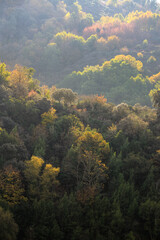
119	80
49	117
4	74
32	175
49	181
149	213
64	95
87	160
8	227
66	130
44	221
132	126
39	140
21	81
11	187
94	171
42	182
155	96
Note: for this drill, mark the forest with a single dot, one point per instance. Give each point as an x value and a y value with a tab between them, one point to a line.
79	120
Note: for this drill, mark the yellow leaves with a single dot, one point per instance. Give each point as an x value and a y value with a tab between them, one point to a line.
113	38
62	37
120	59
155	96
50	171
158	151
139	65
47	92
4	74
107	19
33	168
91	171
52	44
49	174
151	60
94	142
155	78
140	15
128	60
1	130
102	41
110	44
20	74
11	188
76	131
48	117
41	182
140	55
67	16
88	69
112	130
93	162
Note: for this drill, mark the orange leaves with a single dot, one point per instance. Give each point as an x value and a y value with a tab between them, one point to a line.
101	99
33	95
108	29
131	28
140	55
21	81
112	42
21	75
155	78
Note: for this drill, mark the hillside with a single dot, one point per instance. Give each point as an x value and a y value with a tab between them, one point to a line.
76	167
57	38
79	120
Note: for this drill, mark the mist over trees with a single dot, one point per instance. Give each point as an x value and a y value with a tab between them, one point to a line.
59	37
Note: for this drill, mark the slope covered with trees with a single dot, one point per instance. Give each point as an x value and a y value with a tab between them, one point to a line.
76	167
119	79
57	38
80	147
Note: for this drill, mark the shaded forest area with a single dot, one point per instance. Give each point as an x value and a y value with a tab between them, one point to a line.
80	123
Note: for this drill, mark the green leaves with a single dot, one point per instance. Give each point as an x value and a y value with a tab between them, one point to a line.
120	80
